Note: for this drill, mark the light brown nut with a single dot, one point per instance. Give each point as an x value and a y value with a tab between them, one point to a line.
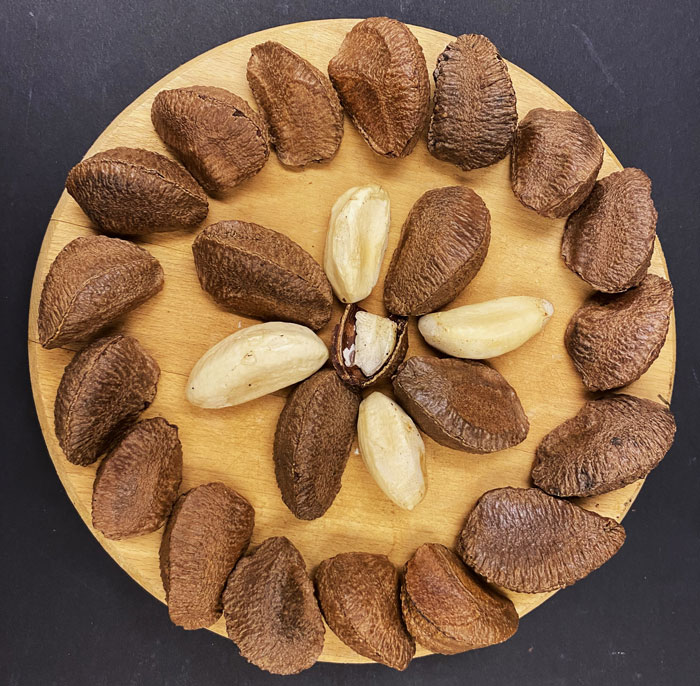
131	191
474	119
609	240
556	159
448	609
530	542
613	339
461	404
302	109
359	597
382	79
443	244
137	483
261	273
92	282
104	388
214	133
270	609
208	531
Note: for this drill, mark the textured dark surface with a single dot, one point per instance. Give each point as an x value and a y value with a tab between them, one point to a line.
69	615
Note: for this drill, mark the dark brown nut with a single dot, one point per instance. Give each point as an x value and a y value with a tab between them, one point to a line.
302	109
359	597
443	244
92	282
613	339
270	609
131	191
104	388
382	79
610	443
530	542
312	443
461	404
208	531
474	118
261	273
214	133
137	483
556	159
609	240
447	609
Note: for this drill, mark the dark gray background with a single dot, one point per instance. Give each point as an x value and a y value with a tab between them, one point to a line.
69	614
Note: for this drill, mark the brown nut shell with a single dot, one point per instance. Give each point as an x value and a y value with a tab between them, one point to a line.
359	598
104	388
613	339
382	79
443	244
136	484
474	119
93	281
131	191
461	404
208	531
261	273
448	609
530	542
556	159
271	611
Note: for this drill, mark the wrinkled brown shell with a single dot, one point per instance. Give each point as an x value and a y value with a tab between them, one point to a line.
613	339
609	240
530	542
271	611
214	133
382	79
131	191
92	282
137	483
208	531
261	273
104	388
461	404
359	597
302	109
610	443
556	158
312	443
474	118
447	609
443	244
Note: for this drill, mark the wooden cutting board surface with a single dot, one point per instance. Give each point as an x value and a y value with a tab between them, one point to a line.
234	445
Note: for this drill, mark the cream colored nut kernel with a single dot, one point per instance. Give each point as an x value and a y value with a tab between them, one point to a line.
254	362
392	449
356	241
487	329
375	339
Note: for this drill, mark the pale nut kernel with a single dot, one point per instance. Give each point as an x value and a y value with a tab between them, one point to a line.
375	340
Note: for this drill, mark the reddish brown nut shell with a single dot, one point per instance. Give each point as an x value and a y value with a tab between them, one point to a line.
382	79
443	244
214	133
447	609
613	339
208	531
137	483
271	611
556	159
530	542
131	191
104	388
461	404
474	119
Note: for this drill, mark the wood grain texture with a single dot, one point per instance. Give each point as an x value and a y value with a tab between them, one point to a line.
234	445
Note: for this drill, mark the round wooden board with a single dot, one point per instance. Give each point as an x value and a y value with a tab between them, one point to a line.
234	445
